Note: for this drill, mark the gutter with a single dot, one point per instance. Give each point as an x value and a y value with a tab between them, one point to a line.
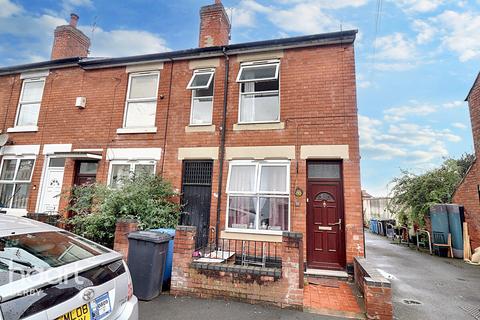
221	156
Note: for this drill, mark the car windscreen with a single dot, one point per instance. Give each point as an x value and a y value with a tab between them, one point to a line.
30	253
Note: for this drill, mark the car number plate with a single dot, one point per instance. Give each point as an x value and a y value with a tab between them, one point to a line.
97	309
100	307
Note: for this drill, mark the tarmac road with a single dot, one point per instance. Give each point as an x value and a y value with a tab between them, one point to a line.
446	288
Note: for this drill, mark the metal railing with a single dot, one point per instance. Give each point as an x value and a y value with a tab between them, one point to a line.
263	254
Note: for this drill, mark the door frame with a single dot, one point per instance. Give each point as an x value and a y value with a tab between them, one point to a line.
43	181
210	193
341	207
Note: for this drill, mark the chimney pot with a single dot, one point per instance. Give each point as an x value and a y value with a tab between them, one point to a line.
218	1
74	19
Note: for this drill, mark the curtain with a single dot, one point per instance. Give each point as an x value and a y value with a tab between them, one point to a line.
242	178
273	179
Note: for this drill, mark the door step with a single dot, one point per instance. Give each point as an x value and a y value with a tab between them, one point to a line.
329	274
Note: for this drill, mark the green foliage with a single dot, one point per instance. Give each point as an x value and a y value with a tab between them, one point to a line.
146	198
413	194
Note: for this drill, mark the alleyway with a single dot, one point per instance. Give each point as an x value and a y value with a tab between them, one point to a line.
445	288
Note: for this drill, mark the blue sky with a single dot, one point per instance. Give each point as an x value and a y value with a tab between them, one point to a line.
414	67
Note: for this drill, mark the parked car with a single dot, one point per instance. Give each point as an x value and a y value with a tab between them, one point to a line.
49	273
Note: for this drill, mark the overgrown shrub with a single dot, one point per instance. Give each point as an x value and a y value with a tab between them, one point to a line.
146	198
413	194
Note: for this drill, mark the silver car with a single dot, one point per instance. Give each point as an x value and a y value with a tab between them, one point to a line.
49	273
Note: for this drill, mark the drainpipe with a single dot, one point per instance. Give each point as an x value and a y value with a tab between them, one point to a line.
222	145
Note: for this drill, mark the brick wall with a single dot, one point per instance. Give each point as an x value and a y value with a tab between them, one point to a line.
222	281
467	192
122	229
377	291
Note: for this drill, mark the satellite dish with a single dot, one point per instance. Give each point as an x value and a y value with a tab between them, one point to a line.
3	139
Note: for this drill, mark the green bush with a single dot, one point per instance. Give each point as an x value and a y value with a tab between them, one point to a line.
145	198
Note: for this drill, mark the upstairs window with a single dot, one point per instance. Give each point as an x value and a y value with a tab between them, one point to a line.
15	179
141	102
259	93
29	104
201	85
258	195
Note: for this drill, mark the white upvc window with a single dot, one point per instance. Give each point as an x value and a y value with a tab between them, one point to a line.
29	103
15	179
259	92
141	101
201	84
121	170
258	196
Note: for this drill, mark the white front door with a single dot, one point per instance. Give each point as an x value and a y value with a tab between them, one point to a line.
52	189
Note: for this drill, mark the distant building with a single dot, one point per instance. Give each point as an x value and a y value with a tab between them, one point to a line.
375	207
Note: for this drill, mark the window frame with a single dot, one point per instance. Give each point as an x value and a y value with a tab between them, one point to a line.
258	194
242	94
21	102
14	181
193	98
132	164
129	100
200	72
253	65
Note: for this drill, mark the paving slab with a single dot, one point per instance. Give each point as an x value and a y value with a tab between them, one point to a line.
167	307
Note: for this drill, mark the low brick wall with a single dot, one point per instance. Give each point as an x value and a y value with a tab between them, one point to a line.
122	229
377	291
281	287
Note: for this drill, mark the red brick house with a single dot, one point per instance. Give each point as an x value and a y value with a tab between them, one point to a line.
260	138
468	191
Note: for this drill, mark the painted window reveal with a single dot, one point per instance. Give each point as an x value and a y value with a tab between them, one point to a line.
15	179
202	84
29	104
259	93
141	102
121	170
258	195
324	196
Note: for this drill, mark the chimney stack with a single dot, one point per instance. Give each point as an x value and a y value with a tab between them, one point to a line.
214	25
69	41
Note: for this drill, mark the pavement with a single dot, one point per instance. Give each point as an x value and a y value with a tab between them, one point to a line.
168	307
445	288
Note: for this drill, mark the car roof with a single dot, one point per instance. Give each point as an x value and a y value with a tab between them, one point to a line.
19	225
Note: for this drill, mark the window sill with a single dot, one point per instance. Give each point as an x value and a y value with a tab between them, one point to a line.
258	126
136	130
200	128
23	129
15	212
271	236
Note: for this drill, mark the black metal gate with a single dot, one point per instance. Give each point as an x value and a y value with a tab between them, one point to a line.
196	197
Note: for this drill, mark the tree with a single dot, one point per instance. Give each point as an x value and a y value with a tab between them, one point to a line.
413	194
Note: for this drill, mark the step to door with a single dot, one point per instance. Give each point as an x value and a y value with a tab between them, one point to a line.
323	273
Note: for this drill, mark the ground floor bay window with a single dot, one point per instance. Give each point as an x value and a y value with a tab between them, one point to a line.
258	196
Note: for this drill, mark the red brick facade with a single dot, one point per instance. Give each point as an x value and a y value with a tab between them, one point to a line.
317	108
467	193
